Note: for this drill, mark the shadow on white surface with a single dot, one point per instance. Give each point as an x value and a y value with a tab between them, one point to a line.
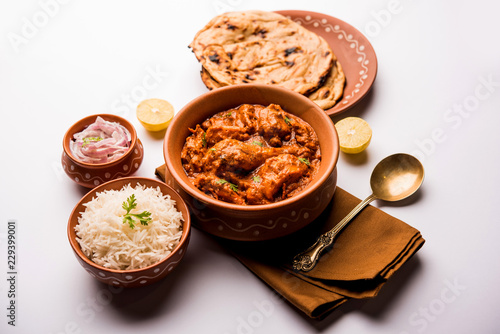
359	108
355	159
144	303
413	199
378	307
164	298
381	305
157	135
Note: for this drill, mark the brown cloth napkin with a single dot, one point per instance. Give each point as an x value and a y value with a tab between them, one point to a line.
362	258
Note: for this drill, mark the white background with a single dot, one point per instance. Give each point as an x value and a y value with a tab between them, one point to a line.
89	55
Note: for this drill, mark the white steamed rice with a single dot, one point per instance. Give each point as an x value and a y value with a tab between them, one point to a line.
109	242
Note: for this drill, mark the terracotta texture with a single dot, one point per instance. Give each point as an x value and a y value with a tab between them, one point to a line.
91	175
253	222
352	48
137	277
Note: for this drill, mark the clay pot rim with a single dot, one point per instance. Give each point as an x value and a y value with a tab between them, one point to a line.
86	121
180	121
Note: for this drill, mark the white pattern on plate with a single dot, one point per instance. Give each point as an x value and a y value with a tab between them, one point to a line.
354	44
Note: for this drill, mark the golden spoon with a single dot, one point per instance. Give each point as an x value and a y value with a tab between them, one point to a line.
394	178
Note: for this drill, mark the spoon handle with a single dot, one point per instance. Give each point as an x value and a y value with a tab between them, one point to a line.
306	260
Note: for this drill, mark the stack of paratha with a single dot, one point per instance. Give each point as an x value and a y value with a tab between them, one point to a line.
265	47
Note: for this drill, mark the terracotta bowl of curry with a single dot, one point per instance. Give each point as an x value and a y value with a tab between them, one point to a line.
253	162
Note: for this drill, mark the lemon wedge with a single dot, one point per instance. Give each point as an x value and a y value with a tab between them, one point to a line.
354	134
155	114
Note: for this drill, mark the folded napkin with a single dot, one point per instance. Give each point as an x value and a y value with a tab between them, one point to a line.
369	250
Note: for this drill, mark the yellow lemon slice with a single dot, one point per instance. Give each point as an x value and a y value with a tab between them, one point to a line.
155	114
354	134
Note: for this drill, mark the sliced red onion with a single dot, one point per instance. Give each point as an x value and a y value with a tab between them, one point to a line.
101	142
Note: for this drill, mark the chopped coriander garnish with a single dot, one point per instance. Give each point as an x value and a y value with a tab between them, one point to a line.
212	149
304	160
233	187
88	140
287	120
258	143
204	139
229	114
128	206
257	179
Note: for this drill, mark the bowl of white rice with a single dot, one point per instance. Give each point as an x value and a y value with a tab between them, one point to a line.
130	232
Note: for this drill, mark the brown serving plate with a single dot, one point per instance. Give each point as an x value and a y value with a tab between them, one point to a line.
352	48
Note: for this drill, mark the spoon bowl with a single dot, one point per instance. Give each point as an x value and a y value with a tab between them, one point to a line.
396	177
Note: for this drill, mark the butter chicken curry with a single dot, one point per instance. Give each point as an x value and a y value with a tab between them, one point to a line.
252	154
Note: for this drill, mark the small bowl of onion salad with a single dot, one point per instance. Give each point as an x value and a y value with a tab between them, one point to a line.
100	148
